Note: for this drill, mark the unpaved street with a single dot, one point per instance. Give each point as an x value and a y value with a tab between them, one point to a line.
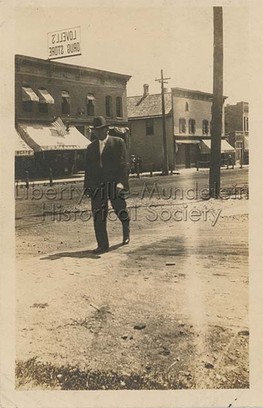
170	310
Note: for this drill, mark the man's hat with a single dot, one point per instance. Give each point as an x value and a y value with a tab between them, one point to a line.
99	122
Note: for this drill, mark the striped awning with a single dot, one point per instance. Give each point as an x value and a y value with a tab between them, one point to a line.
21	148
47	137
45	97
90	97
29	95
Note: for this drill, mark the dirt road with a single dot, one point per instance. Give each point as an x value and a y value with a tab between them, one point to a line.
168	311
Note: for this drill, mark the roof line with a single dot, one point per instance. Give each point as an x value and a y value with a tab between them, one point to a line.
155	94
83	67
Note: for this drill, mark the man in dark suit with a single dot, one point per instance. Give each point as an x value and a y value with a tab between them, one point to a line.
106	178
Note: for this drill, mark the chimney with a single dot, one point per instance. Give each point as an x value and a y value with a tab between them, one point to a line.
145	90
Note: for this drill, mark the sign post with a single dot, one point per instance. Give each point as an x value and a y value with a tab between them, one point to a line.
64	43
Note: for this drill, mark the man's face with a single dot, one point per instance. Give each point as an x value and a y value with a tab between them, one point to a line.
101	133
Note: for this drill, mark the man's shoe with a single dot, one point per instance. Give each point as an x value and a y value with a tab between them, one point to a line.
126	241
126	234
126	237
100	250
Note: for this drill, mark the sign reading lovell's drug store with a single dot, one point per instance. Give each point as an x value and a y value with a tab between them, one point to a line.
64	43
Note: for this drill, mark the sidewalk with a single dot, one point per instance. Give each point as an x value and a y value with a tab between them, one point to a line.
80	176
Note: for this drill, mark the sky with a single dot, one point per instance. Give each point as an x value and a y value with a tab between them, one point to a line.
140	41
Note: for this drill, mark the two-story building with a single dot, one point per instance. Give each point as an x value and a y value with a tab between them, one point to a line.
55	104
146	124
237	129
188	115
192	116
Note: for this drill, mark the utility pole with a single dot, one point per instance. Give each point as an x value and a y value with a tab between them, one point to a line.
163	81
217	106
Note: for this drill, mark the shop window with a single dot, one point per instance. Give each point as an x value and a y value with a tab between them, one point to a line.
182	125
191	126
119	113
149	127
108	106
205	127
65	103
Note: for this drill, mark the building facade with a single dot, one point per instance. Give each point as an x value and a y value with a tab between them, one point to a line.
237	129
192	115
145	123
188	116
55	104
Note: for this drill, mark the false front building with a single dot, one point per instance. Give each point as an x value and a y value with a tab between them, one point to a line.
188	122
55	104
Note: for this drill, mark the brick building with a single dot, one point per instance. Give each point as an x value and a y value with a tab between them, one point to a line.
188	128
55	104
237	129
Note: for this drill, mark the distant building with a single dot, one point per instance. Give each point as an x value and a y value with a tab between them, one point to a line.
237	129
55	104
188	128
145	122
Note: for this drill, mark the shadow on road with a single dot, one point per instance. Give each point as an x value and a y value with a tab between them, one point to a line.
78	254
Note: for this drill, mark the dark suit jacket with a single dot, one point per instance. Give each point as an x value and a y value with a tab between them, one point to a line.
114	164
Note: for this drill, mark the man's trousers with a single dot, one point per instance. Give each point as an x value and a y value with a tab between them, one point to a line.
99	206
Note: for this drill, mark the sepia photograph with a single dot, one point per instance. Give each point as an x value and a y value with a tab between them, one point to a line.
131	181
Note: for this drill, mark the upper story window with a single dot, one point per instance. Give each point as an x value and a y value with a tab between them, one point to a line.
45	99
149	127
186	107
191	126
65	103
108	106
27	106
119	112
28	97
90	105
43	108
245	124
182	125
205	127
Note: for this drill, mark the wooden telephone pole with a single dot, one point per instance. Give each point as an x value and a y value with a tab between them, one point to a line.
217	106
163	81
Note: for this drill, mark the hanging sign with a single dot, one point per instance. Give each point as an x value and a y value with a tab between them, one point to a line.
64	43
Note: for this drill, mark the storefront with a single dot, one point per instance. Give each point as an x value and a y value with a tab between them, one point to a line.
57	151
24	158
186	152
227	153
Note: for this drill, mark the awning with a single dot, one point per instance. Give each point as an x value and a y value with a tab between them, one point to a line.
246	143
21	148
45	97
29	95
115	130
44	137
90	97
225	146
118	130
65	95
187	141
